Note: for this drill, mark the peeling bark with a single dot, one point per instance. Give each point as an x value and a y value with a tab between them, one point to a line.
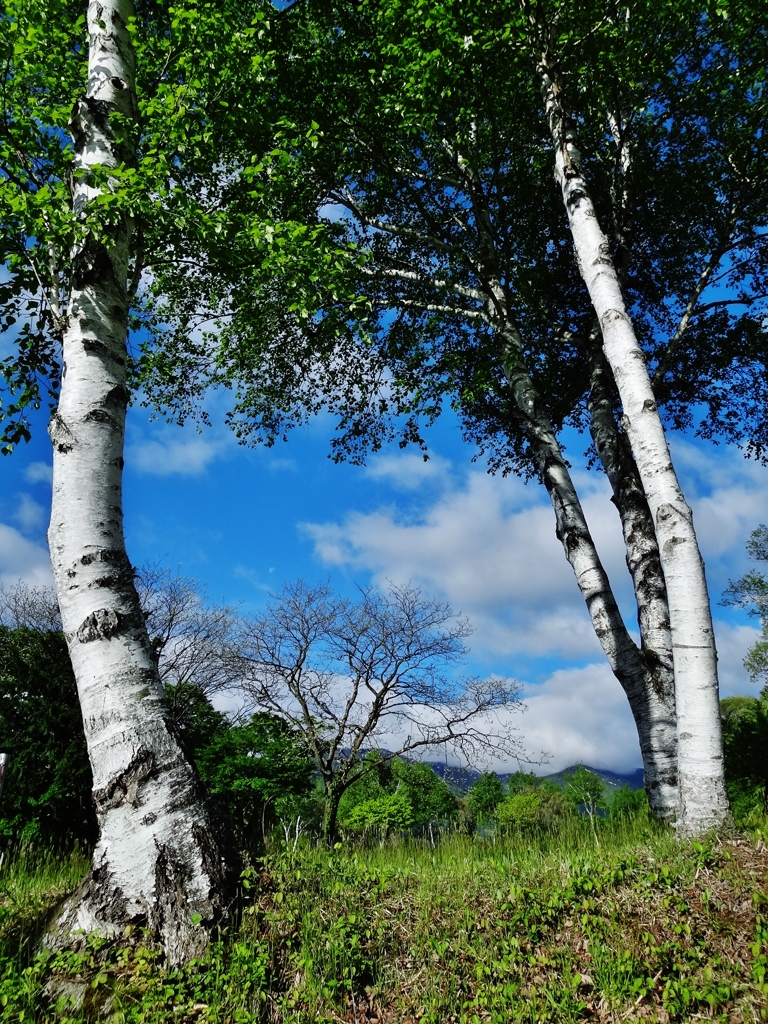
703	801
160	862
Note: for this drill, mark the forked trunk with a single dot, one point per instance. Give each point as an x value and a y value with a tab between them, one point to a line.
644	565
703	801
159	860
654	717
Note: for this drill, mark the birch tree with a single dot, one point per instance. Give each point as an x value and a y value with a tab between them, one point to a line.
159	860
703	800
445	193
88	198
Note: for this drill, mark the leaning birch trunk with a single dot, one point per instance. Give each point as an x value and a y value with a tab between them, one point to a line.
703	800
651	698
158	863
654	717
644	565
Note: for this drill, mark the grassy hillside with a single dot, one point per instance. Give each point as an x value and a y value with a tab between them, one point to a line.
544	928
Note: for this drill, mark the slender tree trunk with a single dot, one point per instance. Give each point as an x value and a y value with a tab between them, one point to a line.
637	671
650	711
333	796
703	801
158	862
644	565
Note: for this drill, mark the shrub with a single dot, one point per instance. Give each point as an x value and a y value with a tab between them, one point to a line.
627	803
532	809
391	812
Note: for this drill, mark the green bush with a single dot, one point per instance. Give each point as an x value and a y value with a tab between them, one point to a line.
47	791
484	797
627	803
391	812
532	809
427	794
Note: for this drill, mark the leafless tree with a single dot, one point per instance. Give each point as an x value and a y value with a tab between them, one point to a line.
348	674
25	607
189	636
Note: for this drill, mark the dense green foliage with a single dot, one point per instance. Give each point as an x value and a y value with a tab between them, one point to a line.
258	772
485	795
745	745
47	792
547	929
412	136
585	789
396	795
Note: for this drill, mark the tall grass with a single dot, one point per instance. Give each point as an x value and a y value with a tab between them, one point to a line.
548	927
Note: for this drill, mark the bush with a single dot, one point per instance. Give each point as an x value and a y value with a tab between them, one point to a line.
391	812
532	809
47	791
628	803
484	797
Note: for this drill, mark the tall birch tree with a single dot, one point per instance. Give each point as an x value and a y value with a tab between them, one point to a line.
159	861
89	196
701	781
402	151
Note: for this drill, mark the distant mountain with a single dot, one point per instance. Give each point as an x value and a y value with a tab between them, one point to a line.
614	780
460	779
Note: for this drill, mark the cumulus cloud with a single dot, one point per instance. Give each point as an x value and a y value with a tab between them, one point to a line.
29	514
488	546
733	642
184	457
21	558
580	715
408	471
38	472
729	497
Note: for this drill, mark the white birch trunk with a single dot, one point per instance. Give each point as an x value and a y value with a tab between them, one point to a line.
650	697
651	706
158	862
644	565
703	801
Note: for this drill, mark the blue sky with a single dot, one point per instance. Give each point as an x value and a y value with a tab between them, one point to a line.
243	521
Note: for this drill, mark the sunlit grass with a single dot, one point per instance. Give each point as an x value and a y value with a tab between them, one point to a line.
546	928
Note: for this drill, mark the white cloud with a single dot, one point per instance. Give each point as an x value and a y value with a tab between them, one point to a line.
22	559
282	465
29	514
729	497
38	472
733	642
408	471
187	457
489	548
580	714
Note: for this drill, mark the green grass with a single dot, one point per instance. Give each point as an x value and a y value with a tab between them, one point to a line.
549	928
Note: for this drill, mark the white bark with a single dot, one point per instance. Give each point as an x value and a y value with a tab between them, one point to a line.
650	704
703	801
644	565
158	861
